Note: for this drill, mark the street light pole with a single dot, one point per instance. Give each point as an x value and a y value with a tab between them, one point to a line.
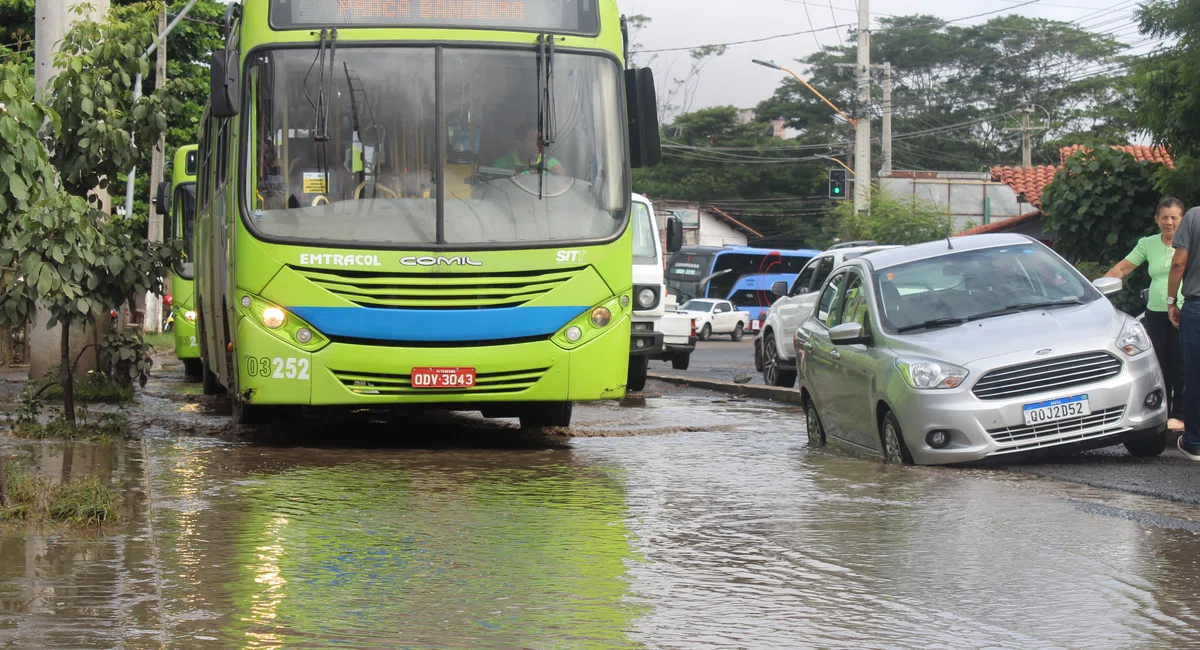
774	66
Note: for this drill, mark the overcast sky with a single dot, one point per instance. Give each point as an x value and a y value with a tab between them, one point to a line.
732	79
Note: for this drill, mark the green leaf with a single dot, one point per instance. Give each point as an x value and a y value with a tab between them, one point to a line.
18	187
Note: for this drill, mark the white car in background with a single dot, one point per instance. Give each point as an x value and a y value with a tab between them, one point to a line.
774	356
714	316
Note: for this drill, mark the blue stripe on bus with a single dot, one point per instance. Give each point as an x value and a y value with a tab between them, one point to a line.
437	324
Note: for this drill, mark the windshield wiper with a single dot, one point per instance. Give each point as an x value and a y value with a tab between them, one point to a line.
545	108
1025	306
932	324
320	132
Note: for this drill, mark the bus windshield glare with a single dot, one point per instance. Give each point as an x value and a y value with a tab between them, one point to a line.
365	169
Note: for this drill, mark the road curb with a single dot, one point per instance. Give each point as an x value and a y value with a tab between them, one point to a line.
772	393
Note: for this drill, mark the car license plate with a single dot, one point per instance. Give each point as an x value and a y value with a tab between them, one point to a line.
443	377
1057	409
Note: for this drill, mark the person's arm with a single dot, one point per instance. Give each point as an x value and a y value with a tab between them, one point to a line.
1178	265
1122	269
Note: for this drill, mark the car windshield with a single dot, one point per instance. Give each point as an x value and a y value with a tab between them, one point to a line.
644	234
958	287
697	305
346	148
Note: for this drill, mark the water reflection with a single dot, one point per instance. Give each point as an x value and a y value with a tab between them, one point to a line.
449	548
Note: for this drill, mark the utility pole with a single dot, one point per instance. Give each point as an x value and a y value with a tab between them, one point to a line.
1026	131
886	145
153	311
862	123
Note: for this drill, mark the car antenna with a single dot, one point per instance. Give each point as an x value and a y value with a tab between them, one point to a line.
948	244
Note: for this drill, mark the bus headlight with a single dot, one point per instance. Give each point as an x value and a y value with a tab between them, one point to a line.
272	317
190	315
601	316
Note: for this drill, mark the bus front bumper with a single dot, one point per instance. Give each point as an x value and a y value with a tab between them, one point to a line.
350	374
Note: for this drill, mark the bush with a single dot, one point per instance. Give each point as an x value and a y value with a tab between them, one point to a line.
892	220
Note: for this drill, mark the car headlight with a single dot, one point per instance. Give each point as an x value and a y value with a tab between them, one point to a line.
925	374
646	297
1133	339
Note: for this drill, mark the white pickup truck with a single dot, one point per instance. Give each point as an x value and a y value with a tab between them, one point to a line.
658	330
714	316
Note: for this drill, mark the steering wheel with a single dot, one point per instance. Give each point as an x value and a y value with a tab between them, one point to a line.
379	188
527	182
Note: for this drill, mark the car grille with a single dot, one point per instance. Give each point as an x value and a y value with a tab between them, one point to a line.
1084	427
1048	375
437	290
486	383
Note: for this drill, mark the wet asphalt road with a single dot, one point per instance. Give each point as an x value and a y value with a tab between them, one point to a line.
680	519
719	359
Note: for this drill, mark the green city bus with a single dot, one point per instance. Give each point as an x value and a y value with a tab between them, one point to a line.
179	215
420	202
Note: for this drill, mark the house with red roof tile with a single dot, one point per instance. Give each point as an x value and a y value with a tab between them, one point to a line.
1030	182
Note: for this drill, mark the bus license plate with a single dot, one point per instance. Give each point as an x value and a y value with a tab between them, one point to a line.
443	377
1057	409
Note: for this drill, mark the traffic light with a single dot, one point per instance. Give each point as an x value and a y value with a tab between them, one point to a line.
837	183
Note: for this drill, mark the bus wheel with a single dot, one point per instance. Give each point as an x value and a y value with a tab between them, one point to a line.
637	374
192	368
546	414
209	378
249	414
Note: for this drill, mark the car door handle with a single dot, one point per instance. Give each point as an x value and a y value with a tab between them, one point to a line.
835	354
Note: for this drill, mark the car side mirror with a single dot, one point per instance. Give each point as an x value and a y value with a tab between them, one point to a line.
779	288
1108	286
848	334
674	234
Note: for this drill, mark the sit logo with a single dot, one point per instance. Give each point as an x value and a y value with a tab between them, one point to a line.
570	256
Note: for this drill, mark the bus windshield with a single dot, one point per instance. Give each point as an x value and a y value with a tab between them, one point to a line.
684	272
346	151
644	234
185	216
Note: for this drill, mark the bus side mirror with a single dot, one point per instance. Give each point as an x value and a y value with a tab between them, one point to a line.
224	83
641	105
674	234
162	198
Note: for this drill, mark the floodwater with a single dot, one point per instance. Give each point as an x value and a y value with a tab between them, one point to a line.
669	522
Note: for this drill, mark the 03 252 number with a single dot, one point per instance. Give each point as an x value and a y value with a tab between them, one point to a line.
277	368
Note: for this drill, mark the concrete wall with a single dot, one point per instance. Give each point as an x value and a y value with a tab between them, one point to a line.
715	231
700	227
971	199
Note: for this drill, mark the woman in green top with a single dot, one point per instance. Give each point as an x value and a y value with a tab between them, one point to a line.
1155	251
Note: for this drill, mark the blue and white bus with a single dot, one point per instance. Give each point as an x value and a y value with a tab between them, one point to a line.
740	274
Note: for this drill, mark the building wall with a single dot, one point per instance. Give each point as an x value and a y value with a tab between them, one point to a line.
716	232
700	227
971	199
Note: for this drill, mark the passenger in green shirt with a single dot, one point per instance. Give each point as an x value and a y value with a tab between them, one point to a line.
1155	251
528	151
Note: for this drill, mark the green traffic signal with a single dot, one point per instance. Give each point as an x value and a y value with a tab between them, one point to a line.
837	183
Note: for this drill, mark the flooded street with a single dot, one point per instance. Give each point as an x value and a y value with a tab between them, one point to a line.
683	520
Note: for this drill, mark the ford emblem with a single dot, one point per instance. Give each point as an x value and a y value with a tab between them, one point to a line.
1044	351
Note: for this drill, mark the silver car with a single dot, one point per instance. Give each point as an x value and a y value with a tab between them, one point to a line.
978	347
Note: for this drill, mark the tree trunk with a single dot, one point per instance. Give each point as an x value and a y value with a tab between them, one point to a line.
68	379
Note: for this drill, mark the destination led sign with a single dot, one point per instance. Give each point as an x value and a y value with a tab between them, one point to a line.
554	16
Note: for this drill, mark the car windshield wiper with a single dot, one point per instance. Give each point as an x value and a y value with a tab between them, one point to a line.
932	324
1025	306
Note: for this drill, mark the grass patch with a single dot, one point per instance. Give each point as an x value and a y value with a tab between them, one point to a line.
164	342
85	501
94	388
105	426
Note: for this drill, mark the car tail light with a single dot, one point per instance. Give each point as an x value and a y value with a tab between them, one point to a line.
693	327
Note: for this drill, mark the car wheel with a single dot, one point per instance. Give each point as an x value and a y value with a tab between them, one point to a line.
636	380
705	332
895	452
737	333
773	373
546	414
681	362
758	365
1147	447
812	422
